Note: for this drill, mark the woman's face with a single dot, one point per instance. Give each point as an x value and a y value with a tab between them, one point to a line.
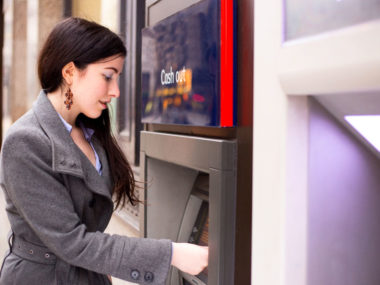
94	87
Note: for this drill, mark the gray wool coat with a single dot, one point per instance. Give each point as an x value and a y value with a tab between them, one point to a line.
58	207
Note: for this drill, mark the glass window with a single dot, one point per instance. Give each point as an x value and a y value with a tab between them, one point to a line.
310	17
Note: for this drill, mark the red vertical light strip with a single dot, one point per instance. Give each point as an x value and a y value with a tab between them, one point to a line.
226	63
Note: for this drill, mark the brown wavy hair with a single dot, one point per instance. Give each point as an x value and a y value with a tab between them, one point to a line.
84	42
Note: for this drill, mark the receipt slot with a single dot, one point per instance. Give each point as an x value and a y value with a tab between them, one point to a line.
190	189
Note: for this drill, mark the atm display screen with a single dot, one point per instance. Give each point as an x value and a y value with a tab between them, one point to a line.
199	235
188	67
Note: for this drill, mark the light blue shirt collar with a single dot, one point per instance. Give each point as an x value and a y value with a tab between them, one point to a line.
88	133
67	125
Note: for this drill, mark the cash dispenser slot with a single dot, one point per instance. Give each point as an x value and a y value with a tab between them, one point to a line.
195	225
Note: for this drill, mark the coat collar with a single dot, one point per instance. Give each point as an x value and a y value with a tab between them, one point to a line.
66	156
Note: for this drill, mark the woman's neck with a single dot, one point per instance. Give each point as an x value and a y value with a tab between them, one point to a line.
57	99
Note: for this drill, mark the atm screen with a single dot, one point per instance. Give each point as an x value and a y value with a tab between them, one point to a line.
199	235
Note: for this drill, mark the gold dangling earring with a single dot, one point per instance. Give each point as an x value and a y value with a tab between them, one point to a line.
69	99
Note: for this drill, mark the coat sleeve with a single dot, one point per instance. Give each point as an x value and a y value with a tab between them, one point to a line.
46	205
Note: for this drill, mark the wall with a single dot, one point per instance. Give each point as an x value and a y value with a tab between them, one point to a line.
315	187
343	199
88	9
279	225
19	62
269	152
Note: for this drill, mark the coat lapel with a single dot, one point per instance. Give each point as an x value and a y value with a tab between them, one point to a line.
100	184
67	158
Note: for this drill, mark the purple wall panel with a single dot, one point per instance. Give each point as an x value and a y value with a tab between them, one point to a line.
344	205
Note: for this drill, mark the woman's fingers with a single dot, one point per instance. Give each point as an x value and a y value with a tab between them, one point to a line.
190	258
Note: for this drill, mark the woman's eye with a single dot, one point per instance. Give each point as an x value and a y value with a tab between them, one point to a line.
108	77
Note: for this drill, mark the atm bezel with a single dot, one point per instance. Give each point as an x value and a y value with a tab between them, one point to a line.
216	157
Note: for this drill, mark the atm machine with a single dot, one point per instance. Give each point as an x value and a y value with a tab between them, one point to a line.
190	196
189	146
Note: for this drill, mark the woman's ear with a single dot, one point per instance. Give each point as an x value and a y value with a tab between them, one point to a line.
68	72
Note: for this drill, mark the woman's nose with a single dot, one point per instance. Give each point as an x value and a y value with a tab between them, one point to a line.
114	91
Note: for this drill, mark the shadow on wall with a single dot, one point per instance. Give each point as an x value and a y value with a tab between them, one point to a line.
343	205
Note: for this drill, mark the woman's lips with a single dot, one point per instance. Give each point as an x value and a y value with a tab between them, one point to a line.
104	104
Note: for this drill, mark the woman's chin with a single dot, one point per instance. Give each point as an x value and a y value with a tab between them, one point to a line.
93	115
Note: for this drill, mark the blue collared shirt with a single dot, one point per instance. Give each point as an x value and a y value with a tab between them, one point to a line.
88	133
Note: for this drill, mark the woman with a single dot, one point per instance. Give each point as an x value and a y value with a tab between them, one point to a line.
60	165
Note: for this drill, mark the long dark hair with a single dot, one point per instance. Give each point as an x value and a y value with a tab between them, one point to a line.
84	42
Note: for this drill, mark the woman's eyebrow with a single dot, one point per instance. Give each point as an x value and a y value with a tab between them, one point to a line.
113	68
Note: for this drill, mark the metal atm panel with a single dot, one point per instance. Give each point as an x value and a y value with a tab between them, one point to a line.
173	167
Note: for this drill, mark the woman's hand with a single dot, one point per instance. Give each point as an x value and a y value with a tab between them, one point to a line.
189	258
